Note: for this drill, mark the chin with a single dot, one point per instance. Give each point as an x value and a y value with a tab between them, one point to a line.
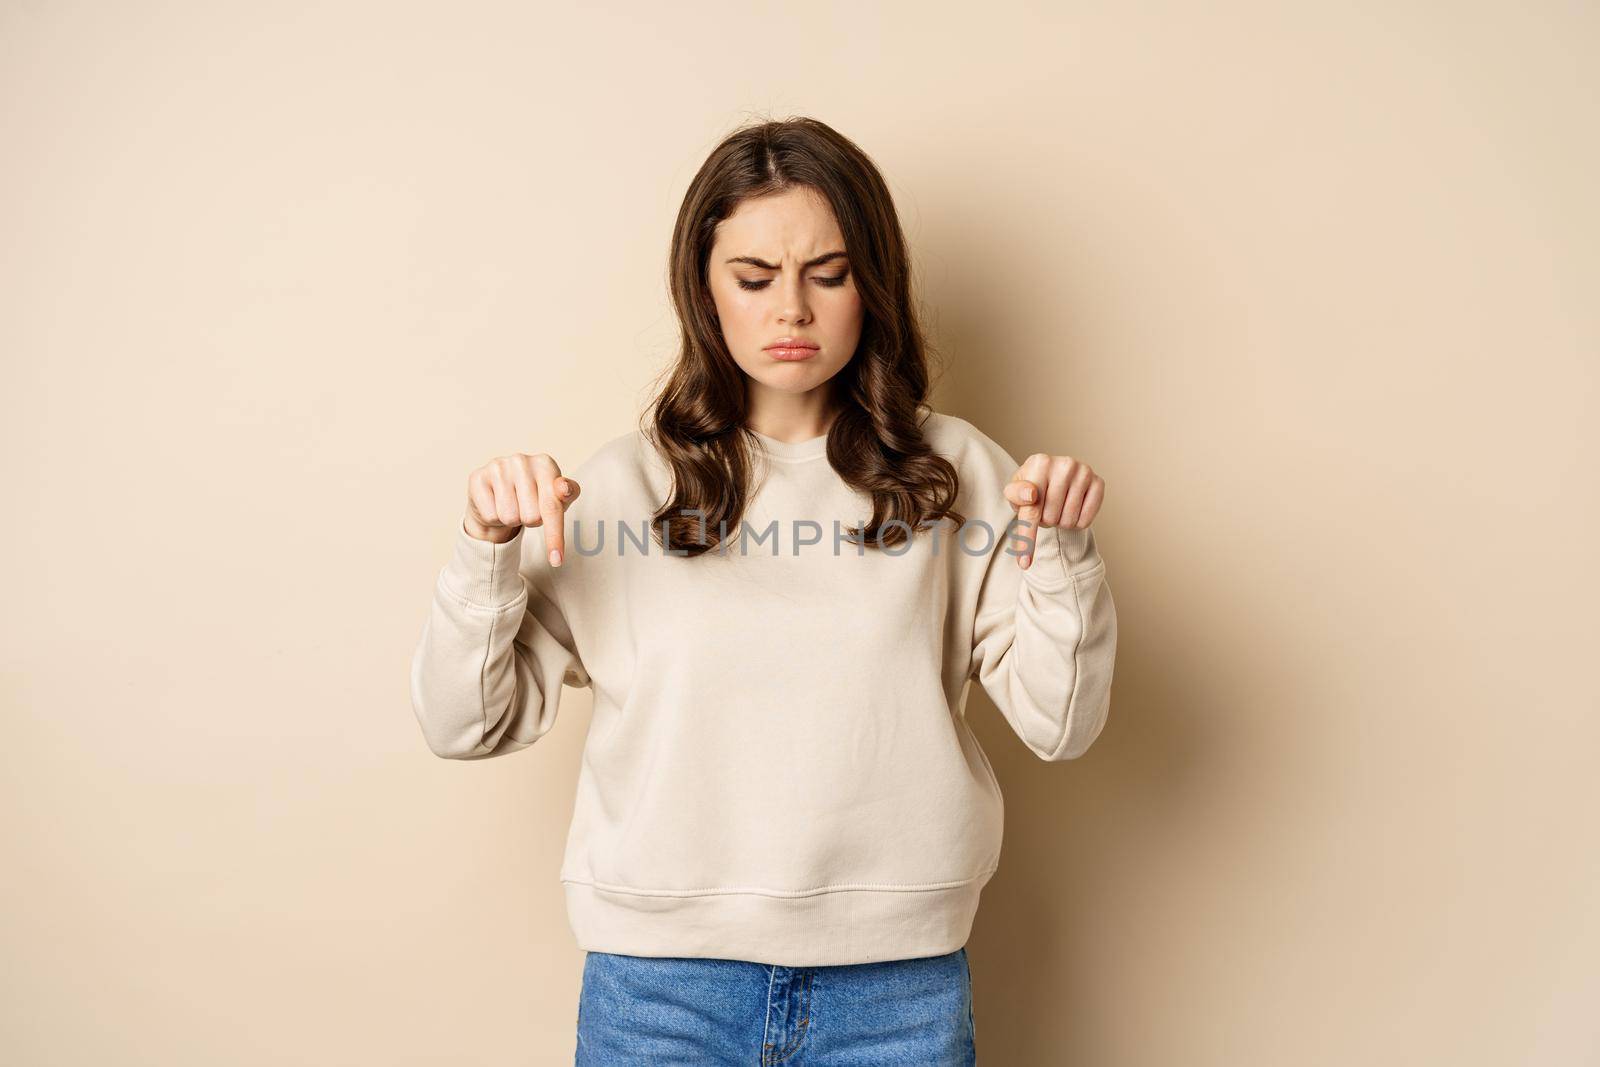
792	382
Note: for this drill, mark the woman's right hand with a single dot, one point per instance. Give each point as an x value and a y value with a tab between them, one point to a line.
522	489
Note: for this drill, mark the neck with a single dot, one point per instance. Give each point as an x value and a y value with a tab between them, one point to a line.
787	417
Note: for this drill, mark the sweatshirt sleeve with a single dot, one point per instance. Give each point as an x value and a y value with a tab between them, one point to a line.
495	650
1045	638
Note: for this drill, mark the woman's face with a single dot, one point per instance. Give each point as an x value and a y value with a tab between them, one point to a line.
777	270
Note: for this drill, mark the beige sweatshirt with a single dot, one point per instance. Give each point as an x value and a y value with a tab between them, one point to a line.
778	766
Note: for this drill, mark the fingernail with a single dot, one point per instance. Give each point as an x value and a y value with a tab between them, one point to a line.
555	557
1027	494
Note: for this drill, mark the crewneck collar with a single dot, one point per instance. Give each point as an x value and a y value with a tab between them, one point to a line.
811	448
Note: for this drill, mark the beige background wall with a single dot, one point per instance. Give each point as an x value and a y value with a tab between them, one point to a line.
1311	285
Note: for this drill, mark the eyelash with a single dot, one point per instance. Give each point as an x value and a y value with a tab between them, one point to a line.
832	283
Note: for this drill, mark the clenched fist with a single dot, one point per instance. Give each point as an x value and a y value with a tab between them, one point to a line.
1053	491
511	492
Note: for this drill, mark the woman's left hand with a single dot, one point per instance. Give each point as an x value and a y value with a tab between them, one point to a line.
1053	491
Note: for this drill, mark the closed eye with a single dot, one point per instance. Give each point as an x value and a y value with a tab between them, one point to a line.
832	281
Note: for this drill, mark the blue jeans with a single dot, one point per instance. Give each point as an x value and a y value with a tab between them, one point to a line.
694	1012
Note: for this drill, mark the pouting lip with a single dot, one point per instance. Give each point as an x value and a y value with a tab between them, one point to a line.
793	342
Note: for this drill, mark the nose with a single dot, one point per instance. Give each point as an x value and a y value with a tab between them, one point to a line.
794	309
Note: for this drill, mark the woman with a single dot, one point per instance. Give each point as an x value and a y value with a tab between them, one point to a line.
780	588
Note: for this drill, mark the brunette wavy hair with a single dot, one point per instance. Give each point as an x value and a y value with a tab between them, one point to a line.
696	421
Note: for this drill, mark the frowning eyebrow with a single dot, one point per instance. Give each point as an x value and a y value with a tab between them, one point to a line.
763	264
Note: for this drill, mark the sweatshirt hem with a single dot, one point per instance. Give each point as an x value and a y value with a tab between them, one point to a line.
829	926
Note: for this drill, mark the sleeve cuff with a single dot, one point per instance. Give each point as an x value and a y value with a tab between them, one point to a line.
1058	554
483	572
